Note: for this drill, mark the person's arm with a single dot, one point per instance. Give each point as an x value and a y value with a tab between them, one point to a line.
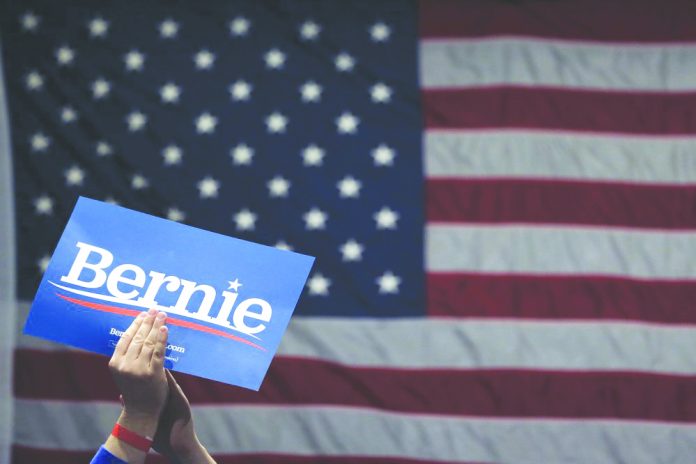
176	437
104	457
137	366
154	404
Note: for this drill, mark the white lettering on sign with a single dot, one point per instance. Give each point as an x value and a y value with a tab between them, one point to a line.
129	283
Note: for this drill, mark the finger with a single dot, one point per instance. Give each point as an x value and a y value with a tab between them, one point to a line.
157	360
170	378
152	342
124	342
174	385
180	403
136	344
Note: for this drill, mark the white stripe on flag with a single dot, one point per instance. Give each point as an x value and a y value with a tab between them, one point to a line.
588	345
553	155
333	431
561	250
537	62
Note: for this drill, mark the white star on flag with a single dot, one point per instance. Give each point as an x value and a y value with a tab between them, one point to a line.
172	155
98	27
352	250
380	32
275	59
309	30
205	123
239	26
74	176
310	91
315	219
134	60
276	123
44	205
139	182
349	187
43	263
104	149
240	90
388	283
136	121
65	55
344	62
39	142
383	155
283	245
100	88
318	285
34	81
68	115
245	220
208	187
30	21
175	214
168	29
278	186
386	218
242	154
380	93
204	59
170	93
312	155
347	123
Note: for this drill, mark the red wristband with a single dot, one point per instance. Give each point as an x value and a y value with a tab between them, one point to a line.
132	438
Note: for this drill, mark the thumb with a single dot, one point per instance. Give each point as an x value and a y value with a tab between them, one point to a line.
179	403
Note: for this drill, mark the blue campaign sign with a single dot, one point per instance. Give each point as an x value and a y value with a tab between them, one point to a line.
228	300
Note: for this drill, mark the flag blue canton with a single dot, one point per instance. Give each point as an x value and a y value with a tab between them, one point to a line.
292	124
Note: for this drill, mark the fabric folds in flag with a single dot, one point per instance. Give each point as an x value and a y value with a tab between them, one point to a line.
500	195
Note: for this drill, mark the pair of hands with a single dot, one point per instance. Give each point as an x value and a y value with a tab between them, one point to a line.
154	404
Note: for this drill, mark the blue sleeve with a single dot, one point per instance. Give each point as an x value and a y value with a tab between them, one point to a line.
104	457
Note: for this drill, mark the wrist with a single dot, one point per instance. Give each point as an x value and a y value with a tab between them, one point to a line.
192	453
142	424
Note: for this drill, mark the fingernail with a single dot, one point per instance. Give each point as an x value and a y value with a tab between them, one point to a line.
161	315
152	311
141	315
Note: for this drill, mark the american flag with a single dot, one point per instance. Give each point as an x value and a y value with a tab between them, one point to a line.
501	196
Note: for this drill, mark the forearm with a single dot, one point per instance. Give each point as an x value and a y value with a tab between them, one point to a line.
194	453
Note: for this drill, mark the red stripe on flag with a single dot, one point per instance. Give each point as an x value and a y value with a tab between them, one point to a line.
560	297
560	109
635	21
486	393
28	455
561	202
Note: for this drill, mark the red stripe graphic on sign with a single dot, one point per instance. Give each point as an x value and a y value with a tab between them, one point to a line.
170	320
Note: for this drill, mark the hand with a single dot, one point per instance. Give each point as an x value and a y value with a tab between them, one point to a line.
176	437
137	366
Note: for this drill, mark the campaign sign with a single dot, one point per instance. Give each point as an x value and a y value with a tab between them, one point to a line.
228	300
